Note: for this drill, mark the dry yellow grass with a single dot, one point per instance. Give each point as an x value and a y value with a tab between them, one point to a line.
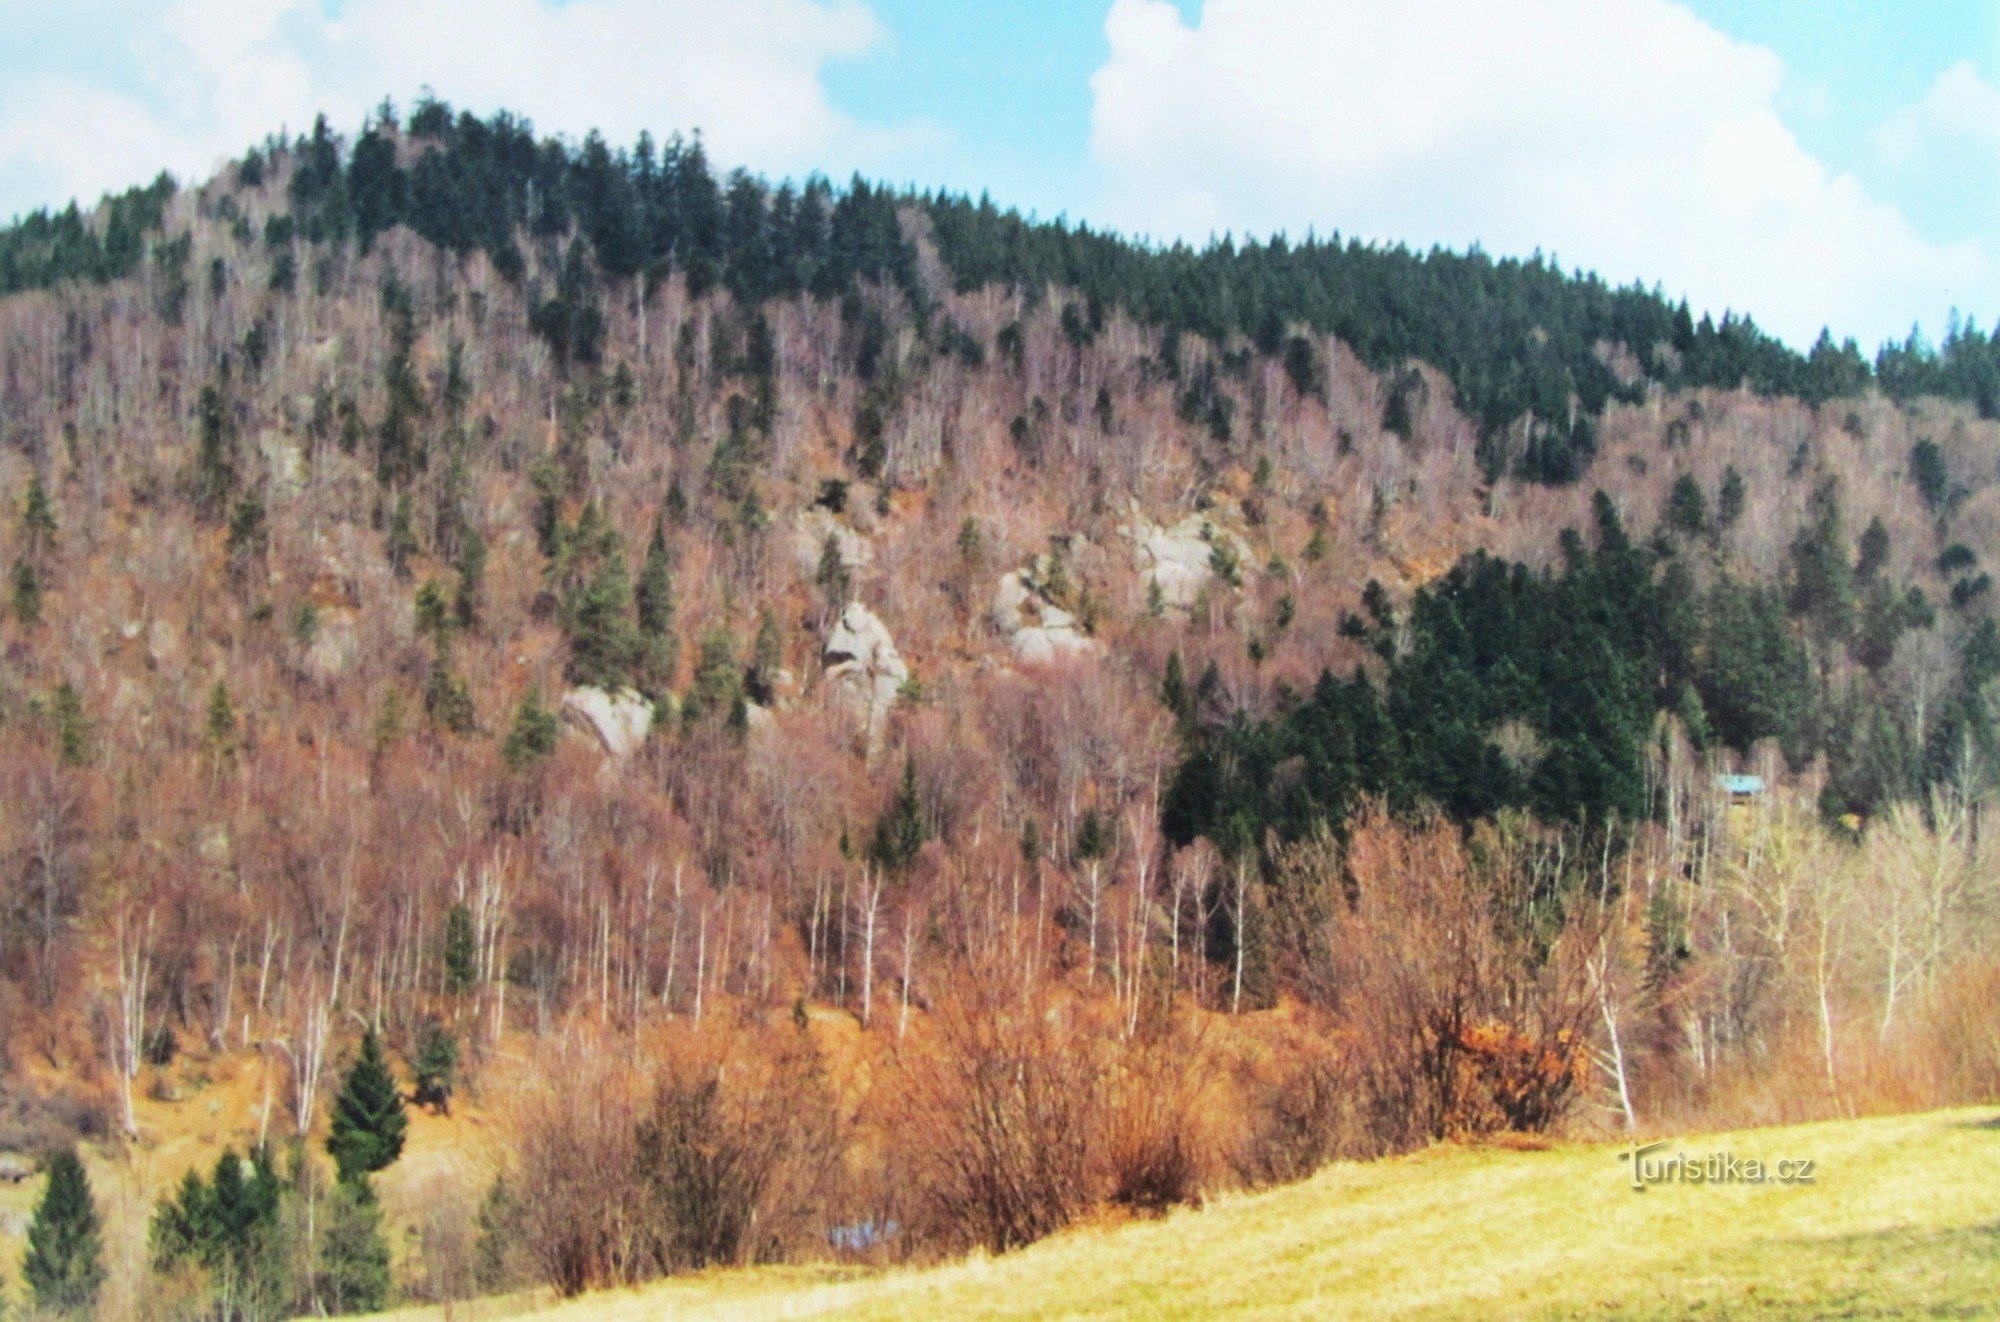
223	1102
1903	1218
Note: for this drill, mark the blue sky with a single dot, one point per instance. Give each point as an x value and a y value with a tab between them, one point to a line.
1812	161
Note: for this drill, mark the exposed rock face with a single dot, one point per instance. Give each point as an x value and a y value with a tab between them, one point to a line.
1038	630
815	527
284	461
1180	558
336	647
618	720
864	671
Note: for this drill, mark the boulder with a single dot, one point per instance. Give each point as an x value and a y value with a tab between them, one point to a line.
1179	558
811	532
864	671
617	720
1037	630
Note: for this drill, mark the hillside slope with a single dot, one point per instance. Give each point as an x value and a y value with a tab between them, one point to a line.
1902	1218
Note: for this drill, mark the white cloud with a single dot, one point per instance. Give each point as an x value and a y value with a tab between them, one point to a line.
223	73
1961	109
1626	136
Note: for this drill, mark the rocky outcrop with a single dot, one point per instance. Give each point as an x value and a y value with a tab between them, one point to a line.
814	528
616	720
284	462
1181	559
1038	631
336	644
865	673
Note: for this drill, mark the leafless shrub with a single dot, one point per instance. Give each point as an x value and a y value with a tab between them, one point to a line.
1157	1141
738	1154
1002	1120
1962	1036
1303	1117
445	1265
728	1156
580	1197
1466	1021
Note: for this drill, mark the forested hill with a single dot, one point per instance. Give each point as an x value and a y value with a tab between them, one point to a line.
843	667
1533	353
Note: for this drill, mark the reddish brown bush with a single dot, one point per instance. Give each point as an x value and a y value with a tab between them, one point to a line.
1001	1124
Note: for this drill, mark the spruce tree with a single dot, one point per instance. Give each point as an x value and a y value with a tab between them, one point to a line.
1872	551
63	1269
38	518
1931	474
400	540
767	656
604	643
72	729
654	599
718	682
534	732
219	728
1735	493
1687	507
461	951
368	1120
353	1275
901	832
214	478
27	593
447	697
432	612
831	576
435	1066
465	600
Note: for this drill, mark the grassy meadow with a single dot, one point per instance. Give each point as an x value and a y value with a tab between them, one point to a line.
1902	1218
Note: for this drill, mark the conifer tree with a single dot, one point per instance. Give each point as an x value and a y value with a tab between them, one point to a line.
718	682
386	730
534	732
247	538
1733	496
399	542
831	576
433	616
901	832
604	642
1687	507
72	729
219	727
38	519
63	1268
461	951
767	656
353	1275
435	1066
447	696
654	599
466	598
27	593
1872	552
1174	693
368	1121
214	478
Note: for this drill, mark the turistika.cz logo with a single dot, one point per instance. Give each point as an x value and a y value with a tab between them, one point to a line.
1712	1168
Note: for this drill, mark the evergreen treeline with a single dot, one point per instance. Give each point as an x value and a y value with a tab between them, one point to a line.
42	249
1511	688
1519	339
